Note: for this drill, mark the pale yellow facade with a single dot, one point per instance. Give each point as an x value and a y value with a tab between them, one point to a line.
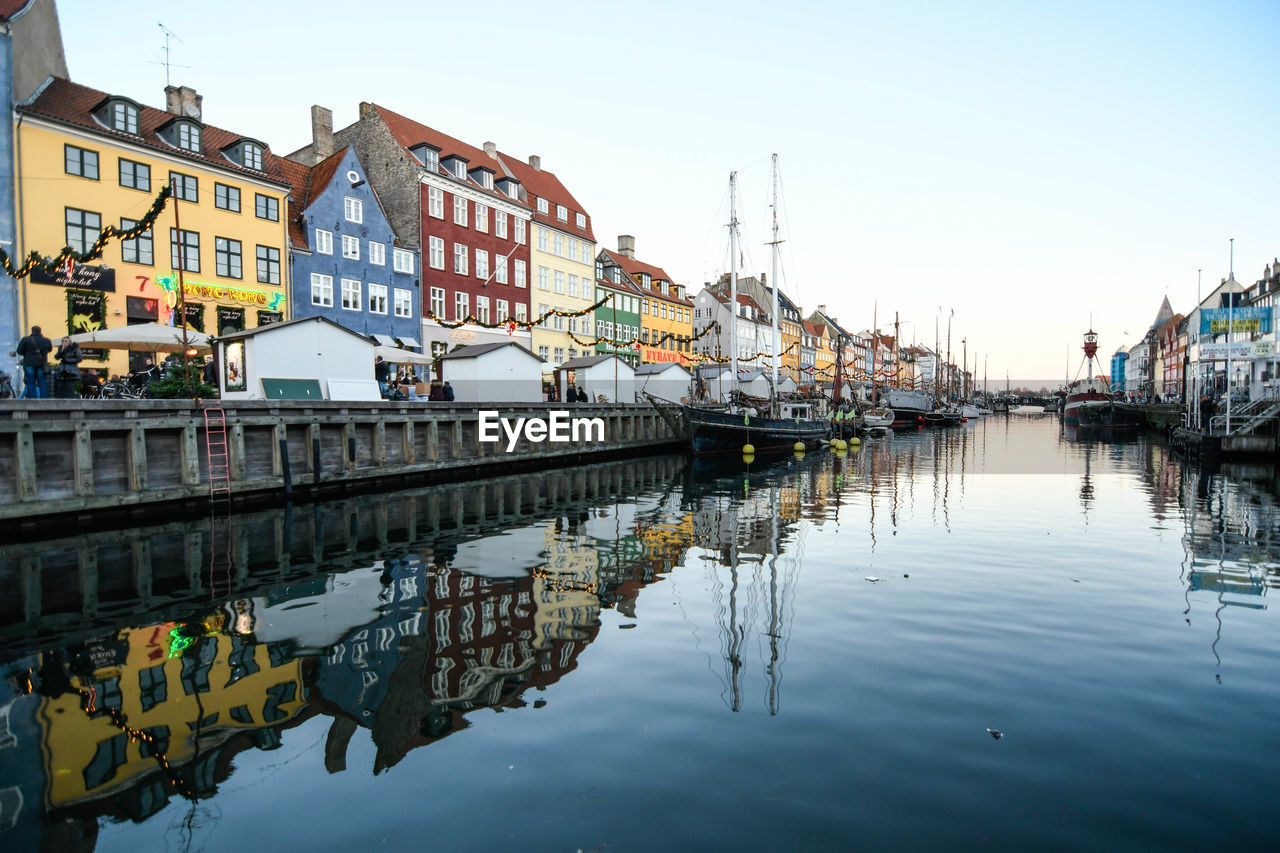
562	270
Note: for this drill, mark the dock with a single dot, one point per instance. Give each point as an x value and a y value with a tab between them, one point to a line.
89	460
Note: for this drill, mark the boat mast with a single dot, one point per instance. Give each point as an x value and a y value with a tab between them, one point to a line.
733	286
875	345
897	359
937	366
773	275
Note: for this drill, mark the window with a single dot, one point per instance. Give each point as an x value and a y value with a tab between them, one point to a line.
429	157
403	302
559	354
520	231
324	242
522	311
350	247
500	224
460	309
137	251
459	259
404	260
582	220
543	320
435	202
460	170
377	299
226	198
520	273
573	325
124	118
251	156
544	353
435	252
500	269
268	265
486	179
226	255
501	311
586	326
353	209
543	207
573	285
482	264
190	243
185	187
558	245
187	136
437	302
559	281
266	207
559	323
573	250
544	282
351	294
459	210
377	254
562	213
482	217
135	176
482	309
81	161
542	239
322	290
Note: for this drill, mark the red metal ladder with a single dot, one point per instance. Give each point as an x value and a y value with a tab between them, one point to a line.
215	444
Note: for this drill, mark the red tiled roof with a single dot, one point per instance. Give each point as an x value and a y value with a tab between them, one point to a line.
633	268
409	133
544	184
818	329
307	182
9	8
70	103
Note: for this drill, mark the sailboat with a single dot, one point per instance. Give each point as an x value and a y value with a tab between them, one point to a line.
728	431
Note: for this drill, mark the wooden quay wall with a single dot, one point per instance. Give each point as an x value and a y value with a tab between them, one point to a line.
81	457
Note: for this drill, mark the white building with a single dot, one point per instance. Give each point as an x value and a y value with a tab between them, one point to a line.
667	381
311	358
606	378
493	373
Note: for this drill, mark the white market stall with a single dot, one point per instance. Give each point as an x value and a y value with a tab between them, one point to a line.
717	382
305	359
493	373
755	382
666	381
606	378
786	384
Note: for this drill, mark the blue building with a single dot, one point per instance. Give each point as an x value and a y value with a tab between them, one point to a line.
1118	362
344	261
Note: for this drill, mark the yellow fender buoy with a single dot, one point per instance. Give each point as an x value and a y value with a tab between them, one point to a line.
748	450
855	442
798	447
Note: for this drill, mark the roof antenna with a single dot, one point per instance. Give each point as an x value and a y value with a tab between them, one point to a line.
168	34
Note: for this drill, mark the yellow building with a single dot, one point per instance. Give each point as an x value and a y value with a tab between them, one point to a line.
666	312
824	352
88	159
562	269
136	715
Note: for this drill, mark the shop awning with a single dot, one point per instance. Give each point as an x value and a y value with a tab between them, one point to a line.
395	355
409	342
384	340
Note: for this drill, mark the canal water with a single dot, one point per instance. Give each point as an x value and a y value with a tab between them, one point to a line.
999	636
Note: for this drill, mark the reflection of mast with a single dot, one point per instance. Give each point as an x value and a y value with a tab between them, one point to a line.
773	604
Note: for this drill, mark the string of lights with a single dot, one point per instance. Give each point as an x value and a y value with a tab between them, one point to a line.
510	323
54	265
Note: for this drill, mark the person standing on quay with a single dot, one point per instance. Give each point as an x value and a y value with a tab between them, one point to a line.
34	350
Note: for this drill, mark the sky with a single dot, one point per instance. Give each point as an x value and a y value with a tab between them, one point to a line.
1019	170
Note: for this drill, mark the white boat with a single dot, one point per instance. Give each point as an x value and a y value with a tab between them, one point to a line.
968	410
881	418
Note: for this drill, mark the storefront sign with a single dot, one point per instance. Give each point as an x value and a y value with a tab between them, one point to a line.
200	290
653	356
1256	319
1221	352
83	276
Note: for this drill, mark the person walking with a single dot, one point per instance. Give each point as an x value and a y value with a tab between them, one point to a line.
34	350
382	373
68	373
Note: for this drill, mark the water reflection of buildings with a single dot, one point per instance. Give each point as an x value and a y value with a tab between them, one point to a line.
400	614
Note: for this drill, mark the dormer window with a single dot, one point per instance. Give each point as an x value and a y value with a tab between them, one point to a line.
455	166
460	170
543	206
484	178
645	280
599	269
427	155
186	136
616	274
124	118
582	220
251	156
562	213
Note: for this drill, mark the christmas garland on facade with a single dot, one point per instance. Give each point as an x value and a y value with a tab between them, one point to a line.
55	265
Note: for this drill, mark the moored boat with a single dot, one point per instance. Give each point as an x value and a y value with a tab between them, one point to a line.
909	407
1091	389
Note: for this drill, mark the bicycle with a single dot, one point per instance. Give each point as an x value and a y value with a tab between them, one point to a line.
6	387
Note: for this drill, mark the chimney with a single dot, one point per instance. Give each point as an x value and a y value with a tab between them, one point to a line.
183	101
627	246
822	309
321	133
366	109
536	162
491	148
